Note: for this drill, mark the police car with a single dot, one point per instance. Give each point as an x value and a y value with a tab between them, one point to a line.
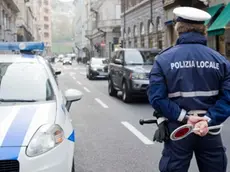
36	133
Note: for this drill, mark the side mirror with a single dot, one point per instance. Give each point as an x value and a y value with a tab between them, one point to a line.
58	72
71	96
87	62
118	61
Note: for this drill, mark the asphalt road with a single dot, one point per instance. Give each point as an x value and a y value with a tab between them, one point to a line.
108	135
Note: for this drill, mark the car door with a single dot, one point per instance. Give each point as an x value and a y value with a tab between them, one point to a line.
117	69
120	69
112	68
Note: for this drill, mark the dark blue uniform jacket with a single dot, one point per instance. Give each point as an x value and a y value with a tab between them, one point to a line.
191	76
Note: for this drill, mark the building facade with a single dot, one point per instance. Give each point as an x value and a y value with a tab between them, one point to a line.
105	26
8	14
25	21
79	25
217	27
36	4
100	27
45	23
142	24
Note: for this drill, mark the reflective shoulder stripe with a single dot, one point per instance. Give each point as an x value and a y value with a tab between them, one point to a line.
194	94
182	115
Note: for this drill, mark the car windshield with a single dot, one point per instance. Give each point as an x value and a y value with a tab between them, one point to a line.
24	82
138	57
99	61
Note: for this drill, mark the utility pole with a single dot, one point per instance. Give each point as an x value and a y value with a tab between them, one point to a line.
124	29
151	12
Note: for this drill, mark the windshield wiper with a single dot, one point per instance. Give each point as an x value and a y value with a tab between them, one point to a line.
16	100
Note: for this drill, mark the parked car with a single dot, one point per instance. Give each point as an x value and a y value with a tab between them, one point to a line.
36	127
97	68
67	61
128	72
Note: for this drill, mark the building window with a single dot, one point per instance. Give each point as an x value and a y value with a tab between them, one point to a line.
46	26
159	33
118	11
46	34
129	37
133	2
46	2
46	18
135	34
142	33
46	10
150	37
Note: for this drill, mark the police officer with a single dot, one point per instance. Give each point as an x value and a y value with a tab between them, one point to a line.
190	83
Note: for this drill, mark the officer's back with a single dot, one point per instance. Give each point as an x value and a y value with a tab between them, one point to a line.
192	69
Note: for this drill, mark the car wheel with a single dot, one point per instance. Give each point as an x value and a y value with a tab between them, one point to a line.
90	76
111	90
73	167
126	96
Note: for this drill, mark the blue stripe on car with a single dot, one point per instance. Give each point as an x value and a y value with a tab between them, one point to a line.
15	135
72	137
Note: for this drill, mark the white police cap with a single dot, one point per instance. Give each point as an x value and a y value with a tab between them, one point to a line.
191	15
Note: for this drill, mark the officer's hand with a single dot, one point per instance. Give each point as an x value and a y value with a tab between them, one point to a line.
162	133
194	119
203	128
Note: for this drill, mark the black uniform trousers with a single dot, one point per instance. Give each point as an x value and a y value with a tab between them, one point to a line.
209	152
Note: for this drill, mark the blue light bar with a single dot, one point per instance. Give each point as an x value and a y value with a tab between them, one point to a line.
25	46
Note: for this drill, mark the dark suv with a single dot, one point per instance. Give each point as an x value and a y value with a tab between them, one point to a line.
128	72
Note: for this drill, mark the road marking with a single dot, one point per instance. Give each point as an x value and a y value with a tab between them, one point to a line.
73	77
86	89
79	83
137	133
75	68
83	73
101	103
72	73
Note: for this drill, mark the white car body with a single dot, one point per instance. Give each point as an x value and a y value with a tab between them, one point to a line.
67	61
20	121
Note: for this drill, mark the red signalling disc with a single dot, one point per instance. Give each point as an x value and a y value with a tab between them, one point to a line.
182	132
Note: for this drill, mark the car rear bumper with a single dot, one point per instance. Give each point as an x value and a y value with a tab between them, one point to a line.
99	74
58	159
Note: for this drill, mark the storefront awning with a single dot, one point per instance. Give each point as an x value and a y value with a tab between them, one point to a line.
213	10
218	26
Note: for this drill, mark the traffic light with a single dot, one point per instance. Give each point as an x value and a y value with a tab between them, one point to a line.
121	44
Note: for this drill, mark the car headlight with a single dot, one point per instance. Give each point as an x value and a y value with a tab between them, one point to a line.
46	138
141	76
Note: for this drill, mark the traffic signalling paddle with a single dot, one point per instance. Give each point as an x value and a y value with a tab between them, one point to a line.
185	130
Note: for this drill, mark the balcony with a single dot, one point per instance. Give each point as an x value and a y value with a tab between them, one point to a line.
13	4
168	2
109	23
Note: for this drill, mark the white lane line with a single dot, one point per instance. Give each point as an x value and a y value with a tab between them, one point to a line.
137	133
79	83
101	103
73	77
86	89
83	73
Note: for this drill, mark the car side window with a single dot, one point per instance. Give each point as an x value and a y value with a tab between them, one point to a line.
52	71
116	55
121	56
